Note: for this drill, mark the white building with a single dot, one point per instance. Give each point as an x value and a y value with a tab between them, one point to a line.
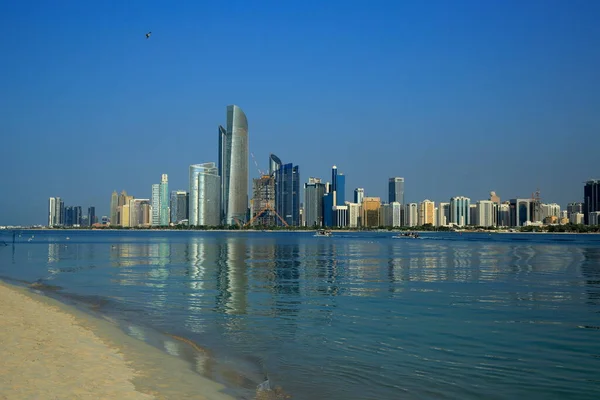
576	218
485	213
411	215
594	218
443	214
353	214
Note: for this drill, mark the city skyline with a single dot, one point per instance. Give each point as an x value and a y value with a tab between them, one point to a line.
481	96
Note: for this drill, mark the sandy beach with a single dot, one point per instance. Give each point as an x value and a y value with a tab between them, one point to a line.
49	351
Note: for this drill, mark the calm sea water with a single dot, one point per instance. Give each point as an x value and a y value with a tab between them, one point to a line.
354	316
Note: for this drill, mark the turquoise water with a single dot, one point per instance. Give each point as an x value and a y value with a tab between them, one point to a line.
354	316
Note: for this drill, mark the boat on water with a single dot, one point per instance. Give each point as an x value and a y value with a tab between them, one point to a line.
407	235
323	233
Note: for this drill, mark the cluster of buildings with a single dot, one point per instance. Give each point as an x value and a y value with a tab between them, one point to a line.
218	196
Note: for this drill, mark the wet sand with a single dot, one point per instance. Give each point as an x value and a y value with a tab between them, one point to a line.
49	351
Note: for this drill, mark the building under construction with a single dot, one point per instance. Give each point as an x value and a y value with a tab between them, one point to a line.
263	201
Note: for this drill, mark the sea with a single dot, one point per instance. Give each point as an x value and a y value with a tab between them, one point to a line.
358	315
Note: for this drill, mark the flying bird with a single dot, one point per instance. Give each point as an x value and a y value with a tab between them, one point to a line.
148	35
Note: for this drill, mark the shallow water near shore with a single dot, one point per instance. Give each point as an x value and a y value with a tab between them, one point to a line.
354	316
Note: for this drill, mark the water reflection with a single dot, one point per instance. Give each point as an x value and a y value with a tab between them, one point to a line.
590	269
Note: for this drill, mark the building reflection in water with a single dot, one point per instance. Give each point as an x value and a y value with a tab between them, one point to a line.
590	270
232	278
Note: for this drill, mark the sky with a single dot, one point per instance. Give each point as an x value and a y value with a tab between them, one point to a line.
458	97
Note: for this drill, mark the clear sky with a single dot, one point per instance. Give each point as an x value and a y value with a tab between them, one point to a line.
459	97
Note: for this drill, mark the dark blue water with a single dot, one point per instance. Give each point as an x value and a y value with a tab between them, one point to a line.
354	316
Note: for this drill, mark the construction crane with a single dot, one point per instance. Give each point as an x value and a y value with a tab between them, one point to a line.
268	206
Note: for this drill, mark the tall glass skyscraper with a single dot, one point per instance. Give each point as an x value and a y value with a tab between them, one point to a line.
314	191
396	190
205	195
155	220
233	166
164	200
287	194
591	199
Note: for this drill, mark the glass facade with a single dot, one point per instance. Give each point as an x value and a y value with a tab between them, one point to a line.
396	190
460	211
287	194
233	167
591	199
205	195
313	203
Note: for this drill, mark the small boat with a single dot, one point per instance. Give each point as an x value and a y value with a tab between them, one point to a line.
323	232
407	235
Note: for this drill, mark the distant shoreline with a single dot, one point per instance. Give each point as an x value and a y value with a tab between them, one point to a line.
393	231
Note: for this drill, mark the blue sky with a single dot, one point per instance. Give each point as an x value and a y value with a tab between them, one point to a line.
459	97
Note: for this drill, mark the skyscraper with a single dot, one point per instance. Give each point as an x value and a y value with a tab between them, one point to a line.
396	190
114	202
591	199
263	201
287	194
233	166
179	206
460	211
314	191
52	211
155	199
91	215
359	195
164	200
205	195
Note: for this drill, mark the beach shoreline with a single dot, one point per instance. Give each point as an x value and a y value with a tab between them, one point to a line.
53	350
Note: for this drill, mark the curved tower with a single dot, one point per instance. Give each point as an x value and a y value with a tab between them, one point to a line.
233	166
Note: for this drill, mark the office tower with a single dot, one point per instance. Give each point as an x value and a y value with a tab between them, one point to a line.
72	216
140	214
233	166
520	212
338	187
504	214
411	214
485	210
205	195
155	204
594	218
340	216
396	190
262	209
591	199
164	200
274	164
287	194
472	214
179	206
328	204
426	212
114	202
443	217
391	214
314	191
573	208
371	207
460	211
91	213
52	211
359	195
354	218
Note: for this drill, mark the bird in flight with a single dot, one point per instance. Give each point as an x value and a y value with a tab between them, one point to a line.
148	35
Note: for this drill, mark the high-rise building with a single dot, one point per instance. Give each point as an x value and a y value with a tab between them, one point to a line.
205	195
328	204
233	166
262	209
179	206
72	216
391	215
155	199
426	212
164	200
411	214
573	208
140	212
591	199
460	211
371	206
287	194
485	211
274	164
91	215
114	203
52	211
443	216
314	191
504	214
359	195
520	212
353	215
396	190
